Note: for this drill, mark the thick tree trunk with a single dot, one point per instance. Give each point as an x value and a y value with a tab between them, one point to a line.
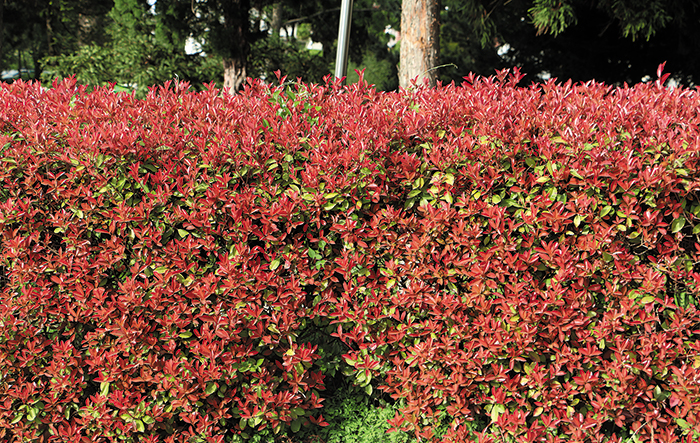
420	41
276	19
236	15
234	74
86	26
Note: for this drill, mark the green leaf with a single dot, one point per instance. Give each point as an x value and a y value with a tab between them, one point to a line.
368	389
496	411
527	367
647	299
211	388
17	418
139	426
274	264
296	425
183	233
576	174
243	423
104	389
186	334
414	193
496	199
449	179
577	220
364	378
550	169
677	224
606	210
31	414
553	194
660	395
148	420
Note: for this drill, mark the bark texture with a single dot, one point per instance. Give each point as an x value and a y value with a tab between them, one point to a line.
237	31
276	19
420	41
234	74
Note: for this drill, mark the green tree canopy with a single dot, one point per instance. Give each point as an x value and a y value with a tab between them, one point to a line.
609	41
142	42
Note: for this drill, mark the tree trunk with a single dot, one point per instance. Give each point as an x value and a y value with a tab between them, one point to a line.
49	35
236	15
276	24
86	27
420	41
234	74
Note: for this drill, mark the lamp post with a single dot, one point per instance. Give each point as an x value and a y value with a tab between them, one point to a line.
341	58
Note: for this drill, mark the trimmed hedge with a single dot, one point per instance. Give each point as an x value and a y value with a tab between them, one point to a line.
510	263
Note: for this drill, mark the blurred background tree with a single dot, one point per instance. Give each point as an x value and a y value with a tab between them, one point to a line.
137	43
33	29
612	41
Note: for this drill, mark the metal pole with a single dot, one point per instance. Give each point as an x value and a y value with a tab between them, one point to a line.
341	58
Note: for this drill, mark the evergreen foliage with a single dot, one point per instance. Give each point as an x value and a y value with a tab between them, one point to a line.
123	41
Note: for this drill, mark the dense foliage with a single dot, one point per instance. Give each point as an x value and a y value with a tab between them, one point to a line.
139	43
497	262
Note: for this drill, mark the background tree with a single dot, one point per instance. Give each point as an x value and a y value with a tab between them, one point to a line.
131	42
318	20
612	42
32	29
140	49
420	41
146	45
